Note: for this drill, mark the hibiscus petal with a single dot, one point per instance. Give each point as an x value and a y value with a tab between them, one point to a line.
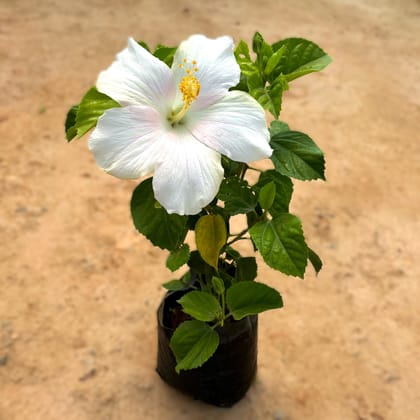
188	174
128	141
217	67
137	77
234	126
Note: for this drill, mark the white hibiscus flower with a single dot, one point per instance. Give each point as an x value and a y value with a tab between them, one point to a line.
176	122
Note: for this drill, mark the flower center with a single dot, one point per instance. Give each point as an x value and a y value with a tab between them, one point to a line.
190	89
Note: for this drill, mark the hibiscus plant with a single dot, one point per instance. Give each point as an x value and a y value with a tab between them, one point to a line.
194	117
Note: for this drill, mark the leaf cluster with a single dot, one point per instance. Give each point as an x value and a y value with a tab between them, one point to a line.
267	76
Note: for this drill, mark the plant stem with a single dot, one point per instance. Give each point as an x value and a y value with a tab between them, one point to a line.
239	236
255	169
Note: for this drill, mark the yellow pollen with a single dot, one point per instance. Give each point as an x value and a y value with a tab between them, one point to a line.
190	88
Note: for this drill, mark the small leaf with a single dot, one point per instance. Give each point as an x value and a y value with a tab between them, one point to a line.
296	155
262	49
267	195
174	285
283	191
164	230
281	243
193	343
251	298
302	57
315	260
165	54
244	60
70	124
201	305
210	236
246	269
144	45
178	257
278	127
274	61
93	105
218	285
269	98
237	196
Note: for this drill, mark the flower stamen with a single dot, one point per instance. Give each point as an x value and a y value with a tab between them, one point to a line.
190	89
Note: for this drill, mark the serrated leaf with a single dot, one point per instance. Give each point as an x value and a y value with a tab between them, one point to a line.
251	298
283	192
174	285
237	196
246	269
69	125
267	195
92	106
165	54
315	260
296	155
178	257
193	343
301	57
281	243
210	236
164	230
277	126
200	305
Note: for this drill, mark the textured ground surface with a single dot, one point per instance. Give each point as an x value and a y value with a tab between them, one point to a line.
79	288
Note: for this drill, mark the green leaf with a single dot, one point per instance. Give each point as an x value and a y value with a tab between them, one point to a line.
262	49
174	285
237	196
193	343
210	236
267	195
278	127
251	298
315	260
274	61
93	105
178	257
296	155
70	124
232	253
144	45
244	60
231	167
281	243
164	230
165	54
197	264
269	98
283	191
246	269
201	305
218	285
255	81
301	57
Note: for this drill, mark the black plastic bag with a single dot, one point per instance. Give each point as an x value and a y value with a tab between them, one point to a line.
226	377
